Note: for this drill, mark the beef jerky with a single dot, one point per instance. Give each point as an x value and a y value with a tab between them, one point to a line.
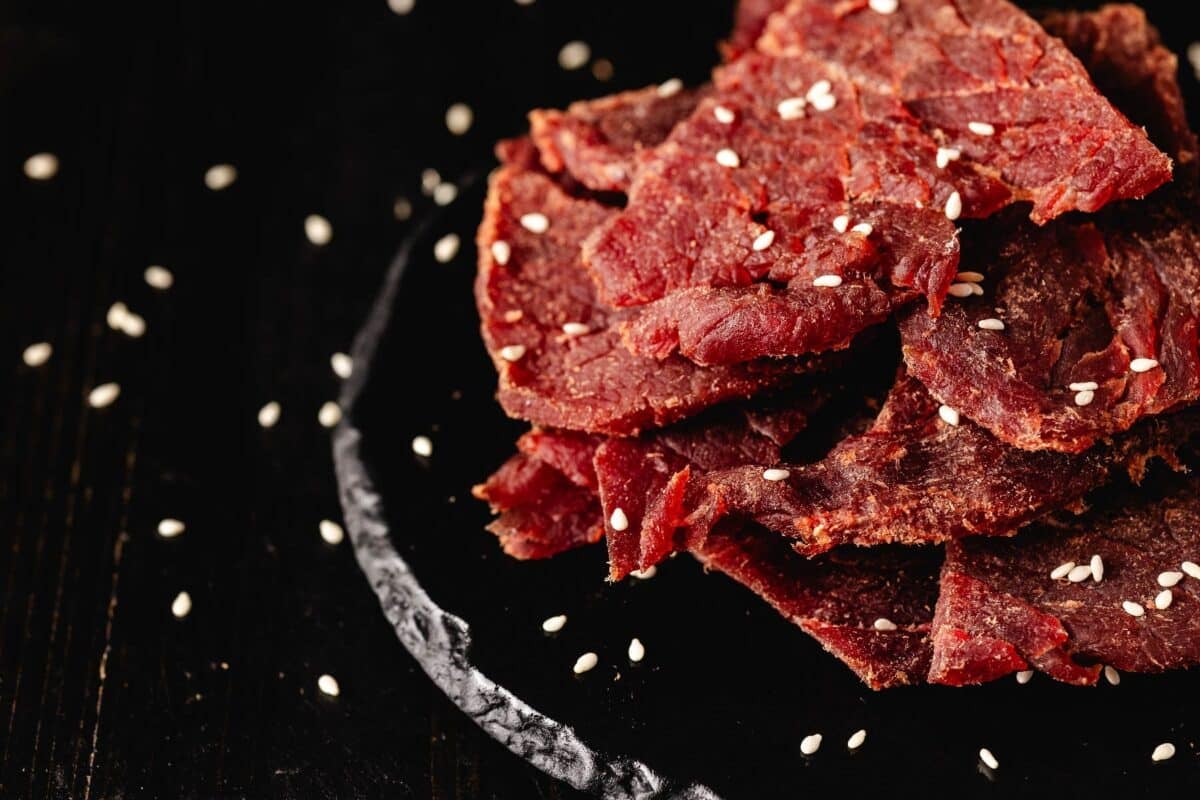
749	19
569	452
908	91
1000	611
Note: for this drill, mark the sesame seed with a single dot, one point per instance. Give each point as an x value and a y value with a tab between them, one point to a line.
573	329
402	208
401	7
791	108
828	281
841	223
181	606
268	415
1080	574
133	326
422	446
724	115
41	166
501	252
884	6
670	88
960	290
1169	579
976	289
949	415
444	194
535	223
986	757
954	206
981	128
524	2
329	414
103	395
618	520
1133	609
318	230
585	662
1097	569
116	314
821	88
170	528
1164	751
1191	568
947	154
824	102
1112	676
329	685
459	118
763	241
637	651
1163	599
775	475
810	744
1085	398
856	739
446	248
865	228
37	354
991	324
512	352
1024	676
342	365
513	315
884	624
1142	364
1084	386
554	624
430	178
220	176
1061	570
574	55
331	532
645	574
969	277
158	277
602	69
728	158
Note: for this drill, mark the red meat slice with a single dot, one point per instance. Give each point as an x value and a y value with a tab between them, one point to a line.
748	22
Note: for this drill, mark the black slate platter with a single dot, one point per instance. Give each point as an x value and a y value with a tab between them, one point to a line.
727	689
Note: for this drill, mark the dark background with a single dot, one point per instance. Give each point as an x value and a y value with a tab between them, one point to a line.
331	108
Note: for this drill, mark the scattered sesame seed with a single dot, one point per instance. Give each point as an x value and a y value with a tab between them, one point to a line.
444	194
961	290
501	252
331	532
810	744
181	606
637	650
991	324
763	241
402	208
554	624
986	757
824	102
329	414
1191	568
1142	364
1164	751
827	281
775	475
220	176
41	166
329	685
1112	676
459	118
618	520
115	316
401	7
318	230
791	108
585	662
949	415
512	352
103	395
430	178
644	574
969	277
884	6
818	89
268	415
1097	569
728	158
574	55
1163	599
535	223
524	2
954	206
976	289
865	228
342	365
1061	571
1080	574
670	88
856	739
37	354
981	128
170	528
884	624
158	277
575	329
1084	386
1169	579
446	248
1024	676
602	69
841	223
1085	398
947	154
1133	609
133	326
422	446
724	115
513	315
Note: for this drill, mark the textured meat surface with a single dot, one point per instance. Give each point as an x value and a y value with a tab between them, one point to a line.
750	17
997	595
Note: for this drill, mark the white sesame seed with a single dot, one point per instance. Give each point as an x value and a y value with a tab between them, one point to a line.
724	115
37	354
810	744
618	520
960	290
574	329
220	176
512	352
637	650
330	414
41	166
1061	570
170	528
969	277
103	395
1080	574
401	7
884	6
446	248
1112	676
342	365
422	446
329	685
1191	568
791	108
728	158
116	314
818	89
268	415
1097	569
991	324
554	624
763	241
181	606
981	128
670	88
444	194
133	325
954	206
402	208
947	154
1164	751
856	739
1169	579
824	102
1084	386
1024	676
645	574
841	223
1133	609
158	277
1085	398
884	624
524	2
986	757
574	55
331	532
949	415
430	178
585	662
865	228
775	475
501	252
318	230
535	223
1163	599
828	281
976	289
459	118
1142	364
